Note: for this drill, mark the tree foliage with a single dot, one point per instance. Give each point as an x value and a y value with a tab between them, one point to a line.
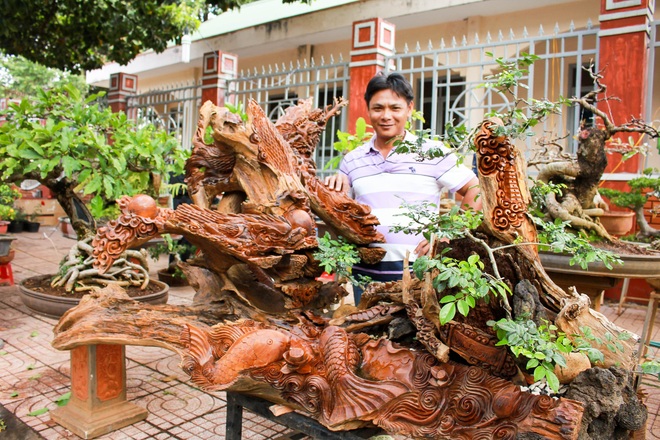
20	78
83	35
70	144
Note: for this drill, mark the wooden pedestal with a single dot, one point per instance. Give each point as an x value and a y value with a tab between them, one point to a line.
98	393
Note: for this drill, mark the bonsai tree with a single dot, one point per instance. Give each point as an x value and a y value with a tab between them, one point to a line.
84	153
641	190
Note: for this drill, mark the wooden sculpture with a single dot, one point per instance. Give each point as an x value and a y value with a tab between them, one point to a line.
259	322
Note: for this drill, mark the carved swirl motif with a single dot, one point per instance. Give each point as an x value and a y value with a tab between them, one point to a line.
113	240
496	155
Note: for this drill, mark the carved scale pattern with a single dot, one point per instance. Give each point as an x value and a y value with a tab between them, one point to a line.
350	380
496	155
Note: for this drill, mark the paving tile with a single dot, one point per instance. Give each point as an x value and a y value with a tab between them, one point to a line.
177	409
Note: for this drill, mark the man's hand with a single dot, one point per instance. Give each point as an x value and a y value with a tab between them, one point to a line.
338	182
422	248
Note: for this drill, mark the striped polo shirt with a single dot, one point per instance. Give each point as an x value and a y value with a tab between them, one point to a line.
384	183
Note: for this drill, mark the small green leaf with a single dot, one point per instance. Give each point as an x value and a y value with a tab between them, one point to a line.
38	412
34	334
553	380
13	394
539	373
63	399
463	307
447	313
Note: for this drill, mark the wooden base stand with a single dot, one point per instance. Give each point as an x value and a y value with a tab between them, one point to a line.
98	393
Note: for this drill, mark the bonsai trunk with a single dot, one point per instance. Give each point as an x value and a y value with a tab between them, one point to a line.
82	220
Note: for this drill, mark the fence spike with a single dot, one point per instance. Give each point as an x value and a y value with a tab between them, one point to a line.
312	62
418	48
541	31
488	37
590	24
511	34
341	57
322	60
305	63
332	59
453	42
500	35
464	41
556	29
270	68
430	45
405	48
476	38
297	64
525	33
442	43
571	27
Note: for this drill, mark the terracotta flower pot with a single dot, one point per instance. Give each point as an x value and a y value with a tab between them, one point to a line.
618	223
4	225
55	306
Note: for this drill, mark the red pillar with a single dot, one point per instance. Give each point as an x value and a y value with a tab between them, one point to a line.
373	41
624	52
218	68
122	85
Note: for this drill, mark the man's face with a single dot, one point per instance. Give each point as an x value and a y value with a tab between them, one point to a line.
388	113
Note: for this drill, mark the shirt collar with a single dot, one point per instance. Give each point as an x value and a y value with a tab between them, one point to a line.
408	136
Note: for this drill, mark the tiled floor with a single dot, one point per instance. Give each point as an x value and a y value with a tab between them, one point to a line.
33	375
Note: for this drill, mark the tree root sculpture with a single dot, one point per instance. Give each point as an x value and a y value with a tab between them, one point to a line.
261	323
78	273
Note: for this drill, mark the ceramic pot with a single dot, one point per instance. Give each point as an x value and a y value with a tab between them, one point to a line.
618	223
55	306
7	258
4	225
5	244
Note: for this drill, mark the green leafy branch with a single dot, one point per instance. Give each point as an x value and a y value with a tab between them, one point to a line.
338	256
465	280
543	346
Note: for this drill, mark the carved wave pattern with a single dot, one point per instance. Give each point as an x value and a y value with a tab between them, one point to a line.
497	156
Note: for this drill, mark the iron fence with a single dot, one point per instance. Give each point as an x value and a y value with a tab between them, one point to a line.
448	77
277	87
174	109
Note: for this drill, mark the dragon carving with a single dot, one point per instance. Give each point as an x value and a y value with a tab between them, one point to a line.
260	322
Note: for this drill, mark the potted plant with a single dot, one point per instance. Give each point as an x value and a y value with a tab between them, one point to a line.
73	150
642	188
7	214
31	224
18	222
178	250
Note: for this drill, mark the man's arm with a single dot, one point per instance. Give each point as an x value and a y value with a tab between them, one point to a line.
471	193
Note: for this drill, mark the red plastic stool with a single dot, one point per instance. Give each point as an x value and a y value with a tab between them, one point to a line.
6	274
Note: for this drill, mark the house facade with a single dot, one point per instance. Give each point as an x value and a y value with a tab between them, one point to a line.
278	53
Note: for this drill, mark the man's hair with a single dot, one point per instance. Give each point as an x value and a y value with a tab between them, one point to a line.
394	82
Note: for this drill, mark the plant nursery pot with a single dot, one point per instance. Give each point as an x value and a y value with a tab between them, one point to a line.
5	244
55	306
4	225
31	226
618	223
170	279
15	226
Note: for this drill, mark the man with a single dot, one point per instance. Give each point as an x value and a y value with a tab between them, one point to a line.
383	179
